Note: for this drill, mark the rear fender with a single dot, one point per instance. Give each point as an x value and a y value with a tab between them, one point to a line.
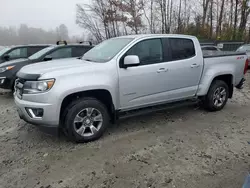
209	77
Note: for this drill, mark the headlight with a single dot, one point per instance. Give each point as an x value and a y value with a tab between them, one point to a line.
33	87
6	68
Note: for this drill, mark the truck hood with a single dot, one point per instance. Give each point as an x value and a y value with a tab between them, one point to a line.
59	67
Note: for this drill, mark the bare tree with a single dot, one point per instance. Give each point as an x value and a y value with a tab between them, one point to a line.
226	19
134	8
245	10
62	32
89	23
235	18
179	18
205	9
231	13
218	28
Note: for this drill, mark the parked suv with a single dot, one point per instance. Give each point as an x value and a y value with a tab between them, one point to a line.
9	69
24	51
125	76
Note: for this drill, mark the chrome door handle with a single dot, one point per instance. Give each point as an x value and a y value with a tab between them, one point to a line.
162	70
194	65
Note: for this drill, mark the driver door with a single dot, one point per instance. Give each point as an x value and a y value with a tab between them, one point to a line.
143	85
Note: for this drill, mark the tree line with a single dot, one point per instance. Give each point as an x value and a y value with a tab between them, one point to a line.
31	35
206	19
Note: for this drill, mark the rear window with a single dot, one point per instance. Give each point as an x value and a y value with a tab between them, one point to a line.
33	49
181	48
80	50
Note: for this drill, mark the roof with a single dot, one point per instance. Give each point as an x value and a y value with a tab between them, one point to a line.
73	45
156	35
47	45
28	45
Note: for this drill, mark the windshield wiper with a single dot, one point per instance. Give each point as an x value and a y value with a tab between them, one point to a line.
87	60
91	60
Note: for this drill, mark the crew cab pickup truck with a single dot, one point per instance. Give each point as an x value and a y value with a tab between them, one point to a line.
125	76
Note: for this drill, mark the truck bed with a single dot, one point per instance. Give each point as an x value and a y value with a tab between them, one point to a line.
210	54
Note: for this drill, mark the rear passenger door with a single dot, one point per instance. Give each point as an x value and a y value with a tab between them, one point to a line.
184	68
79	51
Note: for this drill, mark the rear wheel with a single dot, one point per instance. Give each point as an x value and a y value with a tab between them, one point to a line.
86	120
217	96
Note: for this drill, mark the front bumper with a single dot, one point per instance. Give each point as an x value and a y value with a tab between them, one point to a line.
6	83
49	122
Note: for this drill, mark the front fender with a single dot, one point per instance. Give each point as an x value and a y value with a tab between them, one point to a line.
67	86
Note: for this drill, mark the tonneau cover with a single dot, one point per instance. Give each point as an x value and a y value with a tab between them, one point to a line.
209	54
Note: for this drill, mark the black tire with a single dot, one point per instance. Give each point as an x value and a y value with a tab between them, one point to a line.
77	106
209	103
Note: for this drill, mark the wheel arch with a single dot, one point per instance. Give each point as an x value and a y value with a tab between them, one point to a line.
102	95
207	81
228	79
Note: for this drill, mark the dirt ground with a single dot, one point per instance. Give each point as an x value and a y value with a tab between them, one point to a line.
185	147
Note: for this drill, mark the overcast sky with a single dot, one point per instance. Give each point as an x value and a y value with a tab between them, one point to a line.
46	14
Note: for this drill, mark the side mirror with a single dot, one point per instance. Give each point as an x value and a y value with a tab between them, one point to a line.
47	58
6	57
131	60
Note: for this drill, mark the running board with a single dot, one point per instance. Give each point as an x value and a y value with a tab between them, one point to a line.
147	110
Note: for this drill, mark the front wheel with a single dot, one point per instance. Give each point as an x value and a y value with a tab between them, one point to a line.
86	120
217	96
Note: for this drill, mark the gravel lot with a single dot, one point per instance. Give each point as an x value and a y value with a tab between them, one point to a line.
185	147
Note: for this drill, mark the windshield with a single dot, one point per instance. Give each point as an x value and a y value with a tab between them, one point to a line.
41	53
106	50
3	51
244	49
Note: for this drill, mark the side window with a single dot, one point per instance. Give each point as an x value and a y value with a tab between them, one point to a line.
148	51
181	48
62	53
18	53
34	49
80	51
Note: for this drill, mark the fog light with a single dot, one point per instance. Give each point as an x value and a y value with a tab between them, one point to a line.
2	81
35	112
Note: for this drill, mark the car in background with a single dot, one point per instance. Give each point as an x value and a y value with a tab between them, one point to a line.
9	69
210	48
17	52
245	48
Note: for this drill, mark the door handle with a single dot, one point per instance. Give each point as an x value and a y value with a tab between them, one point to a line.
194	65
162	70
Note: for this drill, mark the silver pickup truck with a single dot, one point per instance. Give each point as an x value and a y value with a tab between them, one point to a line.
125	76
